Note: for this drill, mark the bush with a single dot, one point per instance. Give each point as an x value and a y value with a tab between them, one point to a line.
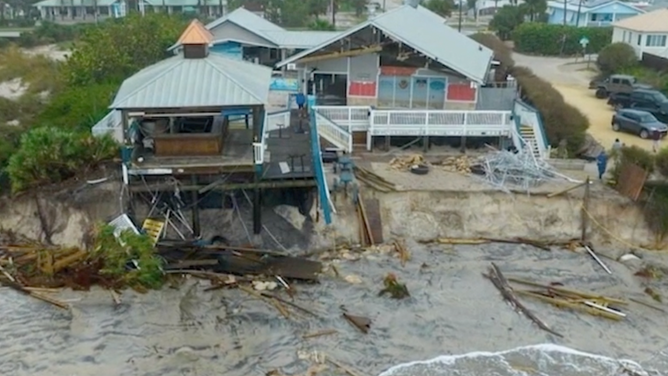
553	40
49	155
116	255
78	108
502	53
561	120
616	57
661	162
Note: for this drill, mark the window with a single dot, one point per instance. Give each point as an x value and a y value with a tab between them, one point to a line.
624	36
655	41
639	39
647	118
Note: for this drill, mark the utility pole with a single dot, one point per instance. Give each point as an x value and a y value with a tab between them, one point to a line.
577	19
459	24
565	11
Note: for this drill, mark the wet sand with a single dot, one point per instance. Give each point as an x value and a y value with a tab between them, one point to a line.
452	310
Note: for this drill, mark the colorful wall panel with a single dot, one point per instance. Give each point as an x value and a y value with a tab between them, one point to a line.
362	89
461	92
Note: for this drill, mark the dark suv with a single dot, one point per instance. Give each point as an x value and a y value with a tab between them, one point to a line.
638	122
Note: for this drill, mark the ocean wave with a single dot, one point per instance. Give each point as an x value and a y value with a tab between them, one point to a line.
543	360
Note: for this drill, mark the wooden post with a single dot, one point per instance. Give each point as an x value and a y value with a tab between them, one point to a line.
195	209
585	211
387	143
257	210
425	143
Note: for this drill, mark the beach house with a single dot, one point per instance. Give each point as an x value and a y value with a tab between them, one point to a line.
589	13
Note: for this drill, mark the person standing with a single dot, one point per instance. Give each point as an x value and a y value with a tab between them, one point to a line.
656	138
301	101
617	145
602	164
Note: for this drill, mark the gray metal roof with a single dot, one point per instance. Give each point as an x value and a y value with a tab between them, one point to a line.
428	35
246	19
209	82
298	39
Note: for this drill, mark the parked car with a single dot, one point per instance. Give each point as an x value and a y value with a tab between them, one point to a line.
616	83
652	101
637	122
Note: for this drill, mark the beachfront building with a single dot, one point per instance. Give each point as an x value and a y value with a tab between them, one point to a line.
590	13
82	10
196	122
646	33
380	80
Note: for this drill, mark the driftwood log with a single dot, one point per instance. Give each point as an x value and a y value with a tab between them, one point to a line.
500	282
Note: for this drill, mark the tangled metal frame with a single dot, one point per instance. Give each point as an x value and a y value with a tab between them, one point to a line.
507	171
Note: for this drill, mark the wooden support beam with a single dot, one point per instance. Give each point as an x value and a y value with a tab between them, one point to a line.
195	209
335	55
226	187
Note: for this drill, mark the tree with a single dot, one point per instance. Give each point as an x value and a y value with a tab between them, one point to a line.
534	9
506	20
473	5
115	50
293	13
616	57
321	25
441	7
317	7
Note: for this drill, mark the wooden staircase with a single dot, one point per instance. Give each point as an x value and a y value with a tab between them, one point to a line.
529	136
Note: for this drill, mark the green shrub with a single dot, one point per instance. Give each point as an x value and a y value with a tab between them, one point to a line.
553	40
561	120
116	255
633	154
78	108
502	53
661	162
616	57
48	155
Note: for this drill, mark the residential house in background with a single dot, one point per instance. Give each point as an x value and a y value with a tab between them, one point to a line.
590	13
646	33
83	10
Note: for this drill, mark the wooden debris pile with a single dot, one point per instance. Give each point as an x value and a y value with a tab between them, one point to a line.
461	164
562	297
405	162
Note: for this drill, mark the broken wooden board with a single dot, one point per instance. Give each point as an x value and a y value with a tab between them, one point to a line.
373	218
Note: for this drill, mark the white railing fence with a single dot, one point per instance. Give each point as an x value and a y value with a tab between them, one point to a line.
350	118
276	120
333	133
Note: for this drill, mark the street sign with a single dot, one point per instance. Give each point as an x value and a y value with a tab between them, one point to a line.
584	41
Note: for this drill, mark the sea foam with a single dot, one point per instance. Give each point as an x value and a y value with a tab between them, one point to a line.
543	359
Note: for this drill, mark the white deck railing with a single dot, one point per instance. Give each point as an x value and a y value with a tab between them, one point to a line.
333	133
440	123
351	118
276	120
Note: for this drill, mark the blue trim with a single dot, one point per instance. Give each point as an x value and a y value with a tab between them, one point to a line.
319	170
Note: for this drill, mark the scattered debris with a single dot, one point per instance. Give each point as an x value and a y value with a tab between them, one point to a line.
400	248
373	180
351	278
321	333
649	272
501	284
349	371
593	255
653	294
506	170
648	305
360	322
393	287
461	164
562	297
405	162
544	245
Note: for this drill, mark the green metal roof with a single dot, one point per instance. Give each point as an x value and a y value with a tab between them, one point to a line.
209	82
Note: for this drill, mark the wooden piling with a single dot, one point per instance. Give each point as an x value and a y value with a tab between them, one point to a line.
585	211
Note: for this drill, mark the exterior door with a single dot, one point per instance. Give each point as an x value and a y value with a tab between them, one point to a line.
437	93
420	88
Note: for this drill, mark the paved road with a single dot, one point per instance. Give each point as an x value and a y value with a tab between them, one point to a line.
564	71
